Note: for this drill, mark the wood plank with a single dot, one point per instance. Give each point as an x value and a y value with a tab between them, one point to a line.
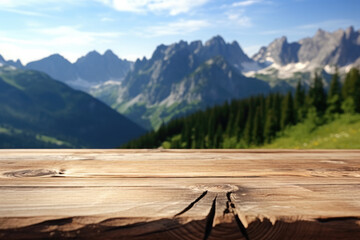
179	194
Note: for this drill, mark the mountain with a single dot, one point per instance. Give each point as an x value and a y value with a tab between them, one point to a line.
306	119
86	72
96	68
325	50
185	77
10	63
339	48
181	78
37	111
279	51
56	66
215	81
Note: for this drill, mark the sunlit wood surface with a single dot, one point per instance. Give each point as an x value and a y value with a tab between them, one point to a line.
191	194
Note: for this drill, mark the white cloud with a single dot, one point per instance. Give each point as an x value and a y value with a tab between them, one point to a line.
173	7
23	12
236	14
23	3
239	19
176	28
35	7
246	3
71	35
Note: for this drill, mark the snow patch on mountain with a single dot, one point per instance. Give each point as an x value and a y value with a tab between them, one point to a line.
284	72
108	83
289	70
250	66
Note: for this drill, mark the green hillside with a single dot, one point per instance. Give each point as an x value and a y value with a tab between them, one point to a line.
310	118
341	133
37	111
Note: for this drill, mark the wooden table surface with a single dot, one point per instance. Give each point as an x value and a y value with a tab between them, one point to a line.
179	194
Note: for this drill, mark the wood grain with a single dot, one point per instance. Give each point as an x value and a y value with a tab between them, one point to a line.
179	194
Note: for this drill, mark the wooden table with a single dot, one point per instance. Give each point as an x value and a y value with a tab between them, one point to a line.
179	194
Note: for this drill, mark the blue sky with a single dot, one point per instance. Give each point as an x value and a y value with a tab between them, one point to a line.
33	29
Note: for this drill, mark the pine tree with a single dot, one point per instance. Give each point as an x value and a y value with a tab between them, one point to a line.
277	111
347	90
299	103
186	134
218	137
241	119
237	124
211	130
248	131
334	96
287	116
357	90
270	126
317	96
199	132
351	92
258	129
230	126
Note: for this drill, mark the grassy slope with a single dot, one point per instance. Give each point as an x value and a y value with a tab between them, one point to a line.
12	137
342	133
37	111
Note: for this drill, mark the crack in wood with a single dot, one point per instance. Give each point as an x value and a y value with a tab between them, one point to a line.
333	219
191	204
231	208
210	220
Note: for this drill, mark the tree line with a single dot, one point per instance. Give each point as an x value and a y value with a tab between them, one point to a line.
257	120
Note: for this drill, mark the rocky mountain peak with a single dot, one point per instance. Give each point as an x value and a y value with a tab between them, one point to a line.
195	46
109	53
279	51
215	41
320	32
278	43
335	48
159	52
91	55
349	31
57	58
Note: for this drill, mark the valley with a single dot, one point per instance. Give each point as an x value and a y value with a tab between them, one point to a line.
182	78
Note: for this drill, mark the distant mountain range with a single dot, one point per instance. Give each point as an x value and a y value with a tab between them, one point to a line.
86	72
185	77
11	63
39	112
299	60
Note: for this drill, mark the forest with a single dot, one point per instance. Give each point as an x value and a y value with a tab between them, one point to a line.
258	120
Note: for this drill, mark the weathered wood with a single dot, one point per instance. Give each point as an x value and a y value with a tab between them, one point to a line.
179	194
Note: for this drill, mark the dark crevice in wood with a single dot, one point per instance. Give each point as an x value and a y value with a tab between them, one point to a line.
334	219
191	204
231	208
55	222
210	220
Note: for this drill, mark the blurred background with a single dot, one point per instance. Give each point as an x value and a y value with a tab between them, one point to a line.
179	74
